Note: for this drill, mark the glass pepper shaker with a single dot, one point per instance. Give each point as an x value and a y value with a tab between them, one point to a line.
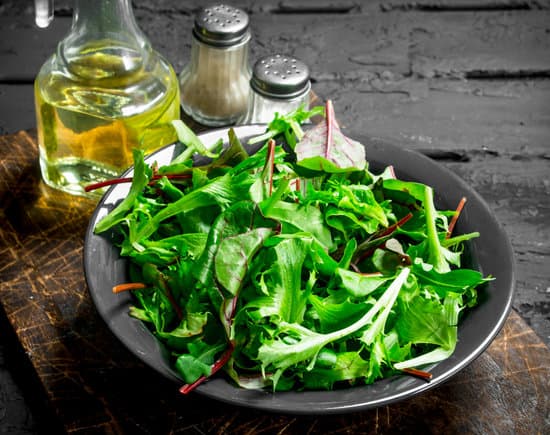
280	84
214	85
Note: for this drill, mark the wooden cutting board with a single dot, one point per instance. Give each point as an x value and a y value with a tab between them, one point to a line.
93	384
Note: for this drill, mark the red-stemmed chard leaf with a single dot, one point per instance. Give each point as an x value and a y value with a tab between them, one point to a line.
326	148
216	367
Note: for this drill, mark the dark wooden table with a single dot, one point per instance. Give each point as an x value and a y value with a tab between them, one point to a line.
465	82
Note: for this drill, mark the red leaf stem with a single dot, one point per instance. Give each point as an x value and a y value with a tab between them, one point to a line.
370	274
330	121
393	227
384	233
455	217
231	315
271	163
173	302
218	365
106	183
154	178
418	373
296	184
128	286
119	288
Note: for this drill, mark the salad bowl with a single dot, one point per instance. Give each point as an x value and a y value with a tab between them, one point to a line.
491	254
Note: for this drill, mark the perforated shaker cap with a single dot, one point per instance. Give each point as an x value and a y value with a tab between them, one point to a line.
280	76
221	25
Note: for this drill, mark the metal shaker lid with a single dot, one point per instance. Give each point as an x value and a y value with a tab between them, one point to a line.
279	76
221	25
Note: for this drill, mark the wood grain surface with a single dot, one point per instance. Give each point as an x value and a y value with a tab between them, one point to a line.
466	82
94	385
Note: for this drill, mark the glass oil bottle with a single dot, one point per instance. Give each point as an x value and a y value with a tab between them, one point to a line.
103	92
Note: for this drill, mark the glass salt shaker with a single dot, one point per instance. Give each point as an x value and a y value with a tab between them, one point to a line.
214	85
280	84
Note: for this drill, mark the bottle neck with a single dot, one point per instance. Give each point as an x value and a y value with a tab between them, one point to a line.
104	40
113	19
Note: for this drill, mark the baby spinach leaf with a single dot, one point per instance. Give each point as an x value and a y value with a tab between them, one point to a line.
456	281
288	125
334	314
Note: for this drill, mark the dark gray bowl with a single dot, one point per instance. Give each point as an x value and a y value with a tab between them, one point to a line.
491	254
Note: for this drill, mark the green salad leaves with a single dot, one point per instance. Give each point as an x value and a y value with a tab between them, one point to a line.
292	268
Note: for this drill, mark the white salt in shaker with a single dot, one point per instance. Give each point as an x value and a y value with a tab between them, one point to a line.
214	85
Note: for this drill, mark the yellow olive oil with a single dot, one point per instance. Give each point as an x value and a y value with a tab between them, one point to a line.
92	112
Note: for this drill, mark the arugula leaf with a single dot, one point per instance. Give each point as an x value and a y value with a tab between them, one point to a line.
220	191
169	249
189	138
229	157
456	281
140	180
288	125
435	254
